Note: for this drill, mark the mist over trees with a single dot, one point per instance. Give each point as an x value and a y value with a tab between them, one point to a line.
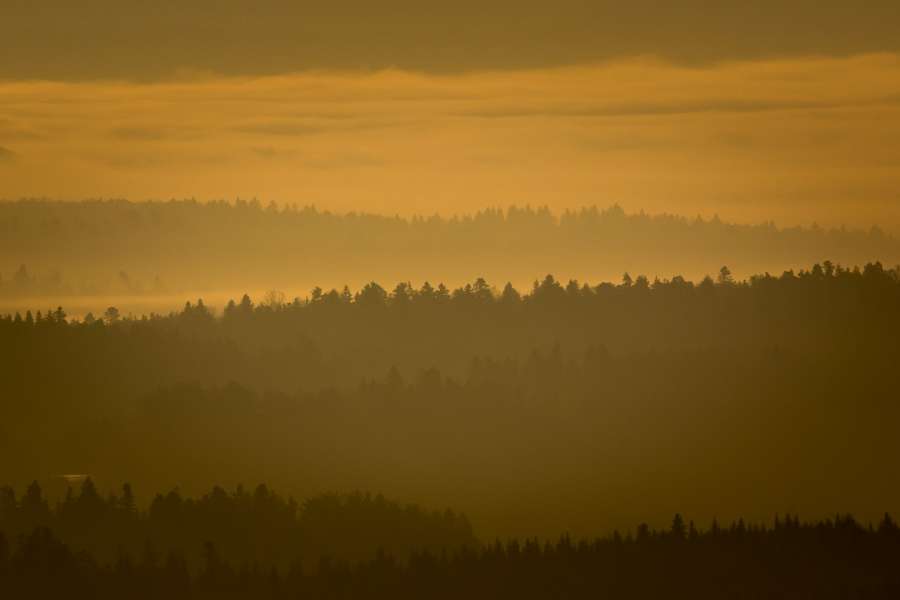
563	406
150	248
647	394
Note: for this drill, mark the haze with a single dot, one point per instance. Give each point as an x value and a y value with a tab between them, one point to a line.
318	300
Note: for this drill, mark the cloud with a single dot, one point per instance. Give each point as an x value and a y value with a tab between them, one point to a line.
7	155
153	41
282	128
157	161
140	134
271	153
348	123
153	132
640	109
344	161
318	160
11	131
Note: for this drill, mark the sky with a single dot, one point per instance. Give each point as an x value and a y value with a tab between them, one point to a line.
788	111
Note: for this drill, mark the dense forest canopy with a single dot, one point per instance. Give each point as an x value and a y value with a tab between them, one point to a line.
245	525
834	558
631	396
52	249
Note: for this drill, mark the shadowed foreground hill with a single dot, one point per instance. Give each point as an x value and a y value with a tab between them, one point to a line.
836	558
258	526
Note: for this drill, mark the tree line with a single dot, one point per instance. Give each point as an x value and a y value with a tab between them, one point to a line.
52	283
96	247
245	525
831	558
338	337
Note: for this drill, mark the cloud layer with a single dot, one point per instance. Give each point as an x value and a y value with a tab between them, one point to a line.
90	39
796	140
6	155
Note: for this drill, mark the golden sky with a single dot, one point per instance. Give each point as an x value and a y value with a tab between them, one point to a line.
784	113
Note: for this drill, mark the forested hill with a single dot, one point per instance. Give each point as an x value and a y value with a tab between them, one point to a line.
337	337
644	393
256	525
121	247
837	558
